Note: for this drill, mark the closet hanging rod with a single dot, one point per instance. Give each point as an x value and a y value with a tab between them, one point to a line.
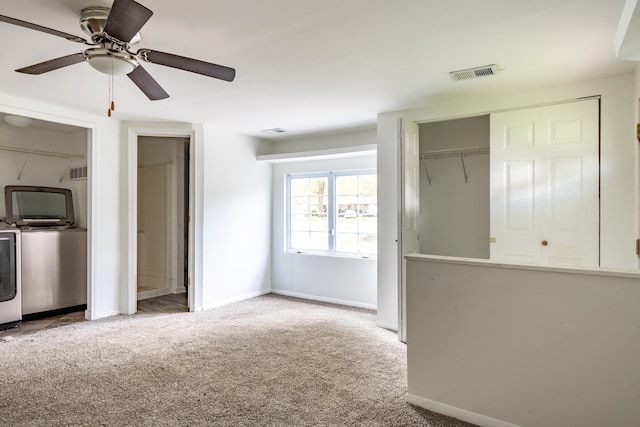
41	152
454	153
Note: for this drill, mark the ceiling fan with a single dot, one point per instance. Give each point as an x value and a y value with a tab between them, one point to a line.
112	32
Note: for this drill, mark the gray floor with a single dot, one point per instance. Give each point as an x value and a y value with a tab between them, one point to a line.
173	303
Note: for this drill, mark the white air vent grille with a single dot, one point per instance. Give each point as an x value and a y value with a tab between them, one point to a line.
78	173
274	131
472	73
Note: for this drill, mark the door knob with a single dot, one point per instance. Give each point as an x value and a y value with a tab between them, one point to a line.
545	243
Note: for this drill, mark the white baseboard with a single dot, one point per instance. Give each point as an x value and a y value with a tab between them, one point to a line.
237	299
460	414
91	315
151	282
151	293
389	326
325	299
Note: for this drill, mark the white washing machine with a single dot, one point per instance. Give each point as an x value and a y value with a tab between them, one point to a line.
10	270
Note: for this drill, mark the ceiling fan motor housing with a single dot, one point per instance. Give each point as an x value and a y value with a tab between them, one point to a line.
111	58
93	20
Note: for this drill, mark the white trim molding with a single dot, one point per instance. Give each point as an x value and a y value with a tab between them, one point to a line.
134	131
238	299
460	414
330	153
325	299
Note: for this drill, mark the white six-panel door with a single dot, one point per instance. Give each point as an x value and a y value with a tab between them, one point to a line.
545	185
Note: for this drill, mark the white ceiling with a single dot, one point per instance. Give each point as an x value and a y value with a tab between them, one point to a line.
315	65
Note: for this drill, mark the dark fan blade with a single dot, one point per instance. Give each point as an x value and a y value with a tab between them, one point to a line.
188	64
53	64
125	19
36	27
147	84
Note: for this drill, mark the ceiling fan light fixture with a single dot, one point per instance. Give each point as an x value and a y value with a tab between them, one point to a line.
18	121
111	62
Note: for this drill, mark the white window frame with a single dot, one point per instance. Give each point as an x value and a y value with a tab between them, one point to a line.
332	211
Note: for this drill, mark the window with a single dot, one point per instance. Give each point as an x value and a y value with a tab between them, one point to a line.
332	212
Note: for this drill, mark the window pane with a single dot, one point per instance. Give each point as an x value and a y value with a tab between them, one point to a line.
300	205
347	185
318	241
318	205
347	243
299	239
300	186
368	224
309	240
347	222
318	185
300	223
368	244
309	225
356	220
318	222
354	214
347	206
319	190
368	186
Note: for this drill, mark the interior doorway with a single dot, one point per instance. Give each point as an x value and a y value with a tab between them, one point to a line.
41	153
162	217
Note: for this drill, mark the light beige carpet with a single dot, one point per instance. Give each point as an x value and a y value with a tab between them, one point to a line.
268	361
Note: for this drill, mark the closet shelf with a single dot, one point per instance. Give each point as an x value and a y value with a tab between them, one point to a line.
460	152
440	154
30	152
41	152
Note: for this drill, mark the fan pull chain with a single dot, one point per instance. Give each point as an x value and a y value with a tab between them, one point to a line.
112	104
113	88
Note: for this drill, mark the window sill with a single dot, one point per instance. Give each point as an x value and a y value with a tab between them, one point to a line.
372	257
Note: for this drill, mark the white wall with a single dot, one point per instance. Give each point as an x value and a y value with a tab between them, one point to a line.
338	279
232	210
236	218
500	344
618	172
454	214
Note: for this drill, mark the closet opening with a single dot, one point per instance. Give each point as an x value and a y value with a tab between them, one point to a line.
454	187
163	221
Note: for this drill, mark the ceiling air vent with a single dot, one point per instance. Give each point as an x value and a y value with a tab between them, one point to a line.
472	73
274	131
